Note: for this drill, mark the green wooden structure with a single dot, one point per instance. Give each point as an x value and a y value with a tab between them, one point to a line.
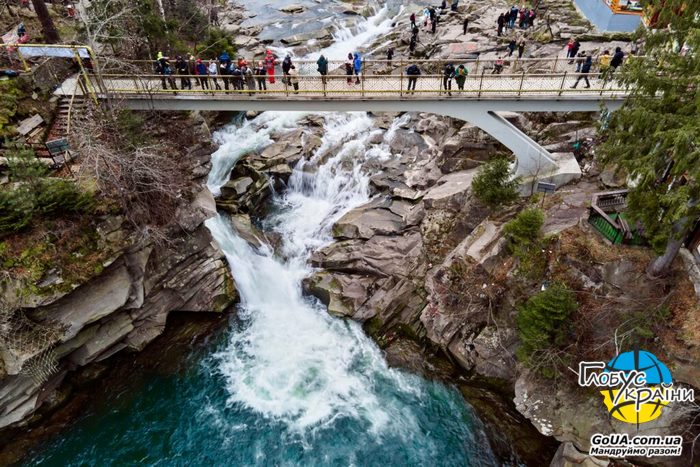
607	217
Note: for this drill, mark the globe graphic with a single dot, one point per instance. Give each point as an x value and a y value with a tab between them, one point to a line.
656	373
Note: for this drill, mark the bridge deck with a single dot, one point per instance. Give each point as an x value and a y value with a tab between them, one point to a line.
336	88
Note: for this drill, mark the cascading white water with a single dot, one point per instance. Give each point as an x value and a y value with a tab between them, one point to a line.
293	361
351	38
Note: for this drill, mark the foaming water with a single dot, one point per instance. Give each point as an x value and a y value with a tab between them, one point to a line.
350	38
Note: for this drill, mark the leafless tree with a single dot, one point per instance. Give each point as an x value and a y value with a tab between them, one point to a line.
146	181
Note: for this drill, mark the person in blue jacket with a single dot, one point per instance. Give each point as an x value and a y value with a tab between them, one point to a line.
357	63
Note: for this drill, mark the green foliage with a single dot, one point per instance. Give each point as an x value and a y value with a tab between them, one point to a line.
543	322
525	242
654	136
217	40
32	193
10	93
494	185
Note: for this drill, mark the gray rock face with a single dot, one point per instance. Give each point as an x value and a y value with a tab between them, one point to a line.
123	308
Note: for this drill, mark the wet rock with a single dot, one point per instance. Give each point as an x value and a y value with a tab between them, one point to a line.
342	293
294	8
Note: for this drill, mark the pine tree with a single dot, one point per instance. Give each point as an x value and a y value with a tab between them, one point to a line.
494	185
655	136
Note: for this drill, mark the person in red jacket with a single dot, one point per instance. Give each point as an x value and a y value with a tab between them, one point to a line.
270	63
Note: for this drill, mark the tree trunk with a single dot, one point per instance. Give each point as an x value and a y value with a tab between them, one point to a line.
47	27
661	265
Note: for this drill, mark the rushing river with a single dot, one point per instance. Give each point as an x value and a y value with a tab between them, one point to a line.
286	384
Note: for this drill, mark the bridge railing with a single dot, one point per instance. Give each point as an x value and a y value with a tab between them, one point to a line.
376	86
511	64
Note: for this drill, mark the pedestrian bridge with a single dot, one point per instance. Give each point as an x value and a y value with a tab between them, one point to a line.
525	85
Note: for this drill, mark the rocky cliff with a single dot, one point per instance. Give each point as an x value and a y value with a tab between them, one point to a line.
122	308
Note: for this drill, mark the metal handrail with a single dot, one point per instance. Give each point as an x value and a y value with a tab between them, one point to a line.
70	105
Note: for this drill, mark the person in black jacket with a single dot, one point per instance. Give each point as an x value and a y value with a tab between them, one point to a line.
617	59
413	72
448	74
585	69
501	24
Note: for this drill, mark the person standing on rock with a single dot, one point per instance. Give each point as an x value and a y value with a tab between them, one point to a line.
413	21
465	25
501	23
447	75
531	20
259	72
434	24
513	16
443	5
455	4
389	55
461	76
521	48
413	73
585	69
511	47
357	65
412	44
270	63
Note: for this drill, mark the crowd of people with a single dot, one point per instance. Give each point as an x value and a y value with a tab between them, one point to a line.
238	75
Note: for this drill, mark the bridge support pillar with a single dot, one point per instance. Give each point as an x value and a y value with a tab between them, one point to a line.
533	162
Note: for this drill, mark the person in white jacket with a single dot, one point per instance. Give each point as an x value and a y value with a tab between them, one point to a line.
213	71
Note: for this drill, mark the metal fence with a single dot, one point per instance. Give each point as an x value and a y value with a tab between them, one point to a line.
370	86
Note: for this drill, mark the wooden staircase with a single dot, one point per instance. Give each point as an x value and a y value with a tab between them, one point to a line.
61	123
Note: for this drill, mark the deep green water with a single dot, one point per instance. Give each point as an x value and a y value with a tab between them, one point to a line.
184	419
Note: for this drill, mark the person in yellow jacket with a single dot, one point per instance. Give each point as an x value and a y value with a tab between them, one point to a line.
604	63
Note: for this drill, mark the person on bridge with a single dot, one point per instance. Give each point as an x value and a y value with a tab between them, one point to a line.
604	63
286	66
201	70
168	73
617	59
183	70
465	25
270	63
447	75
225	72
461	76
224	58
348	69
413	73
322	64
585	69
213	70
501	24
259	72
247	74
357	65
294	78
236	77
